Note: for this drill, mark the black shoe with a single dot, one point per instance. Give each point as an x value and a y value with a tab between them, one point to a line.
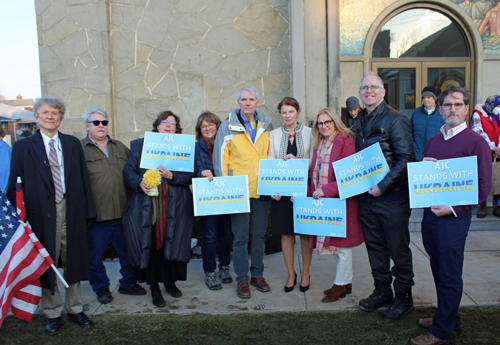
305	288
53	326
104	296
158	300
80	319
290	289
381	297
173	290
134	290
402	305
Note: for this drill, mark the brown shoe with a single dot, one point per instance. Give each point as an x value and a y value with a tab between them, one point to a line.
496	208
427	323
427	339
482	210
260	284
243	289
348	289
336	292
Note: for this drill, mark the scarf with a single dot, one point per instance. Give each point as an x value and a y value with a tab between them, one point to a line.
160	207
210	148
320	171
285	140
491	103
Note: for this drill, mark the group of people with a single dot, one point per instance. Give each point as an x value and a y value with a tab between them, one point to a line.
80	195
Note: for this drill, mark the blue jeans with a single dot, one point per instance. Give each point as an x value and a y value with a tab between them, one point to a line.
99	235
216	231
242	224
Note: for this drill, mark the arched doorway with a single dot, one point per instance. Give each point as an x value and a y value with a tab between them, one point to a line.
419	45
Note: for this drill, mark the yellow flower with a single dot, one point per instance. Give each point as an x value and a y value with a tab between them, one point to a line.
152	178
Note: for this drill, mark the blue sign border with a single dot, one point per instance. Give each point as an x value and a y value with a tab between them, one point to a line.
283	177
171	151
319	210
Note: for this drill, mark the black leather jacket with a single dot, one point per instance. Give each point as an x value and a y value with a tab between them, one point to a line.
392	130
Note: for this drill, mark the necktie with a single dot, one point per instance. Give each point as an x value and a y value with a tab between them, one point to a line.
56	171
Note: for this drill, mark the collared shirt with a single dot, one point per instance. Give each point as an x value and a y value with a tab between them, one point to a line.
105	151
60	157
429	112
453	131
248	126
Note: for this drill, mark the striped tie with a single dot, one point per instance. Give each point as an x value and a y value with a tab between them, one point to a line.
56	171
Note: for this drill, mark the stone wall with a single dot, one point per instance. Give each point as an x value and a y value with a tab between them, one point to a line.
136	58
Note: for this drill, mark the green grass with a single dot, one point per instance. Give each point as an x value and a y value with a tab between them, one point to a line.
479	326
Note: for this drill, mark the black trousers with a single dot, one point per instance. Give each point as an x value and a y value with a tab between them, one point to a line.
385	227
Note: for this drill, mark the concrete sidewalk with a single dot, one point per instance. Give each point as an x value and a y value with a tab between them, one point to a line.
481	284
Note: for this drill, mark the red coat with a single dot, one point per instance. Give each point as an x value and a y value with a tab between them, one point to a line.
343	146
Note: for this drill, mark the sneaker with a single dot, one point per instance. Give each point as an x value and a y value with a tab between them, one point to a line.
402	305
104	296
224	275
134	290
211	281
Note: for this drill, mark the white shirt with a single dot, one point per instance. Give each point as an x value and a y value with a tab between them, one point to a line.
453	131
60	158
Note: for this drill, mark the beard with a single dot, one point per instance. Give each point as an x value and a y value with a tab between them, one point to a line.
454	122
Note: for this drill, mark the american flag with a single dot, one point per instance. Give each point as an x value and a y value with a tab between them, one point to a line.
22	261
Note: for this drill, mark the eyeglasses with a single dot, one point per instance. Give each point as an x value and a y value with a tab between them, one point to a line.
326	123
97	122
372	87
448	106
209	125
169	123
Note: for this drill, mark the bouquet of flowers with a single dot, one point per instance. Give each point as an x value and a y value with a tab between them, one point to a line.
152	179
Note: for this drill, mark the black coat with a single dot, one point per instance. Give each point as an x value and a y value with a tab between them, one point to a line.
392	131
137	220
29	161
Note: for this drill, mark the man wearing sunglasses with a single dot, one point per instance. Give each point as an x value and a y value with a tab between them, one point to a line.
59	207
106	159
384	210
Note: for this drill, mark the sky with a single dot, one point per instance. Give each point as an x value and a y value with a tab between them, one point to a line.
19	65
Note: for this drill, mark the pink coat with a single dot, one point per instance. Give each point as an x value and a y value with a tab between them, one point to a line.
343	146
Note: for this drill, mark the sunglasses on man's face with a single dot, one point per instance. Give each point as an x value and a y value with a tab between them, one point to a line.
97	122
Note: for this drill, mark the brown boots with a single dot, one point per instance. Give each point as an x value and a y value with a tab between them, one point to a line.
336	292
496	208
482	210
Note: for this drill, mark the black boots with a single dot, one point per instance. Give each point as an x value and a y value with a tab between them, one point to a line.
381	297
158	300
402	305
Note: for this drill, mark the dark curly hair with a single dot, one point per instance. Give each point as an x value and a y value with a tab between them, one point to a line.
163	116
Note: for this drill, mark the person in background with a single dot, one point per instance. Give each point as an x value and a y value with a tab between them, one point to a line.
353	107
332	142
59	207
106	159
158	228
290	141
485	121
216	229
425	121
5	154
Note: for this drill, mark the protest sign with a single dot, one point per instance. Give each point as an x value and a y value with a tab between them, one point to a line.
450	182
223	195
320	217
357	173
285	178
174	151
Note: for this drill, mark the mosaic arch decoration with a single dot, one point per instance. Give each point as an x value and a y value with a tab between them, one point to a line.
356	18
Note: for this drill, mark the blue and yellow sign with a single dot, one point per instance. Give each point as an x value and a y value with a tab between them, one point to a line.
174	151
357	173
450	182
320	217
223	195
285	178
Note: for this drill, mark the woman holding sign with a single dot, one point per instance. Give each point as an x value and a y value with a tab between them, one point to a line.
334	141
216	229
158	228
290	141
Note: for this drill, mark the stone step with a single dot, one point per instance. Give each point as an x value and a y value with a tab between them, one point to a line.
489	223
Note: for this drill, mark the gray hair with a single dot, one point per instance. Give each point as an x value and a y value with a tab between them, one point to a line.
371	73
92	111
250	89
51	101
451	89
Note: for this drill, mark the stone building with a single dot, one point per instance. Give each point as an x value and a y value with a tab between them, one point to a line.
136	58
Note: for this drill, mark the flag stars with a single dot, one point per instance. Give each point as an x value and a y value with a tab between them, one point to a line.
7	217
4	208
11	226
7	203
14	214
4	235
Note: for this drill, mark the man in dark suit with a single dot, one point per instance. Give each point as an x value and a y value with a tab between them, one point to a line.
59	207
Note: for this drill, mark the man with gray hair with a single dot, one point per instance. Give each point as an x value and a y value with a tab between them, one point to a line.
106	159
241	142
384	210
59	207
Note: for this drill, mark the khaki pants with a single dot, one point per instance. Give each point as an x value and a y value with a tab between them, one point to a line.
52	304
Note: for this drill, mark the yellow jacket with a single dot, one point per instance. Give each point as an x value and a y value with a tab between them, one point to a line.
235	154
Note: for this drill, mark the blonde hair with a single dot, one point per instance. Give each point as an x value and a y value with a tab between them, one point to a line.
339	127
